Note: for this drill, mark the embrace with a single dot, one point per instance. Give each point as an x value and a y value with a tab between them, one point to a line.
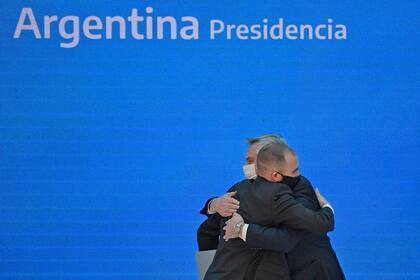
272	225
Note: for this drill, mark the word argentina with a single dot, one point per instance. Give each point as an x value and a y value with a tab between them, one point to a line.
149	27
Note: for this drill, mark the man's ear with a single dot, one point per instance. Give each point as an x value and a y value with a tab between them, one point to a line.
277	177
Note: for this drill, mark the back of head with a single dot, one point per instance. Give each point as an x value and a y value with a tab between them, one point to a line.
271	157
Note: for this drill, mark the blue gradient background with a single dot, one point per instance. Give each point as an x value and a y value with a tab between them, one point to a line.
108	150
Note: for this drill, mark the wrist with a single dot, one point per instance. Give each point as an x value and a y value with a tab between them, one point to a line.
238	227
241	228
211	207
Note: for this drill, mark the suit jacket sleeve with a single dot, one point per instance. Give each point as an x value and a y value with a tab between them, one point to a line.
208	233
286	210
282	239
206	206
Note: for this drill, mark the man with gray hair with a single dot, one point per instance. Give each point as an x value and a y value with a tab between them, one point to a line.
226	205
255	144
309	256
267	202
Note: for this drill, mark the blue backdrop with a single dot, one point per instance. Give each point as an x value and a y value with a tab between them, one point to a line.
108	150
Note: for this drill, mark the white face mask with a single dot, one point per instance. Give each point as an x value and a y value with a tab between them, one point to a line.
249	171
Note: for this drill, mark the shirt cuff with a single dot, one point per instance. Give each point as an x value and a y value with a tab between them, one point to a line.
210	212
329	206
244	231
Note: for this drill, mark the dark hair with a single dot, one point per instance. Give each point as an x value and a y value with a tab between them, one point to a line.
272	156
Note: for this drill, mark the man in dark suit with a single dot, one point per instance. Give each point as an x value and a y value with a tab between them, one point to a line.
309	256
224	206
265	201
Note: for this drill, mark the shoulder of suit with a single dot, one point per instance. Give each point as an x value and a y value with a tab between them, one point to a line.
275	187
240	184
304	186
305	181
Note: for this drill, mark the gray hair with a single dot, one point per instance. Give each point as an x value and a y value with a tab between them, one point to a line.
265	140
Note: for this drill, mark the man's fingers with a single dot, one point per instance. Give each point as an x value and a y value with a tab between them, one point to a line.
228	222
229	208
230	204
233	207
230	212
231	193
233	201
226	205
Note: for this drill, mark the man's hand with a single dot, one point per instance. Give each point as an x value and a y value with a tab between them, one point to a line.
322	201
225	205
229	228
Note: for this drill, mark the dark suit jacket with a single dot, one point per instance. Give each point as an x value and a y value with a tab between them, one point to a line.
269	204
310	256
